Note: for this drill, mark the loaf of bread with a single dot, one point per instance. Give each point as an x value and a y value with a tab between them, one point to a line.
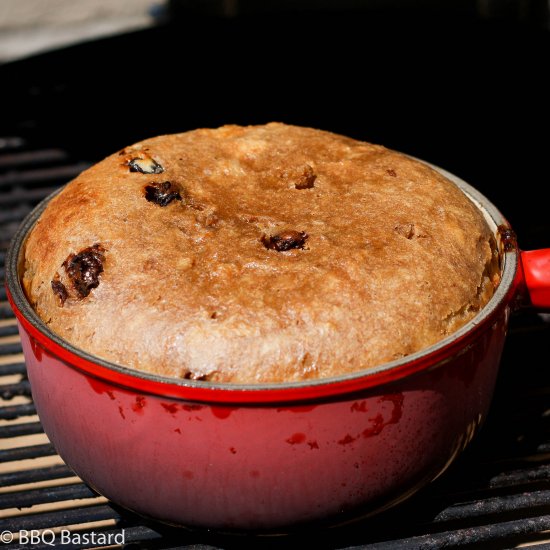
258	254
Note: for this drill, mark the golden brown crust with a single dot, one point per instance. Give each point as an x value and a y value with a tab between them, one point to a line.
258	254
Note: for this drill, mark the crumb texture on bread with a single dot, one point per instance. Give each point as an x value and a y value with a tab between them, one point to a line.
258	254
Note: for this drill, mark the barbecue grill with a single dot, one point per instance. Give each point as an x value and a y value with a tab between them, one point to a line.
67	109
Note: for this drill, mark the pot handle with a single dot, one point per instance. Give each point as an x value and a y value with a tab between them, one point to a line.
536	275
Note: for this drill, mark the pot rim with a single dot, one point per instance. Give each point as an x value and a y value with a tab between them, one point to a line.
433	356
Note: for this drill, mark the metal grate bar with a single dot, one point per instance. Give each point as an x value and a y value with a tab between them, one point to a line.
5	311
519	477
43	520
32	157
23	453
25	177
480	536
544	448
8	143
12	368
31	497
21	477
10	349
10	330
27	195
8	391
16	411
497	505
18	430
14	215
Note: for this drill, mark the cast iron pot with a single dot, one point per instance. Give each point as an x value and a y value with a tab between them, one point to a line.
274	456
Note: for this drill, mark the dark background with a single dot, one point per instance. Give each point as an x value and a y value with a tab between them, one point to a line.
466	92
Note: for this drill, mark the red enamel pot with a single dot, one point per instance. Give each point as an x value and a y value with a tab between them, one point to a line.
273	457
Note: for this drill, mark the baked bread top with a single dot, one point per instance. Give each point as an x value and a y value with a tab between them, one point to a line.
258	254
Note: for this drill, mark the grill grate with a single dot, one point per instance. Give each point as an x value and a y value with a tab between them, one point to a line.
496	496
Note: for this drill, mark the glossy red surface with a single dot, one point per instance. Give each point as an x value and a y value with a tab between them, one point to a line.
536	271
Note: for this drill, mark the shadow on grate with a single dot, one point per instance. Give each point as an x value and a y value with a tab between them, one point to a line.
497	494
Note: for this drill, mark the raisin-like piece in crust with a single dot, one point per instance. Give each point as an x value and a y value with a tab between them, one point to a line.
161	193
145	165
285	240
60	290
306	180
84	269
